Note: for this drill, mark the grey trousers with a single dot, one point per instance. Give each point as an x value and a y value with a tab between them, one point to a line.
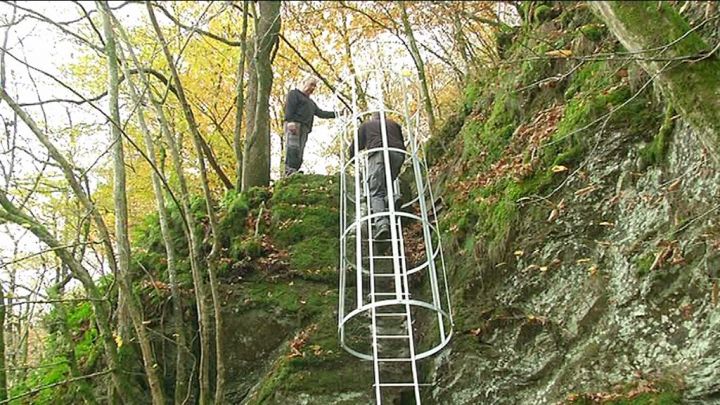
294	147
377	181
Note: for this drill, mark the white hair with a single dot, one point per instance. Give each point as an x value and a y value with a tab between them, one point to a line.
309	80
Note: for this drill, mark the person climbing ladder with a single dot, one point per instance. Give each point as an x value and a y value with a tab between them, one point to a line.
370	137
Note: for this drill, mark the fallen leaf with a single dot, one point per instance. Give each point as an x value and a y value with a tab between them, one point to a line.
587	190
675	185
687	311
559	53
559	169
553	215
606	223
519	253
584	260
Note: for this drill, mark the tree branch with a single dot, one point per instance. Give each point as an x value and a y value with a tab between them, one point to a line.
84	100
57	384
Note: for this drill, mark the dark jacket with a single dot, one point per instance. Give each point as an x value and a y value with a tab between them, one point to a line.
301	108
370	135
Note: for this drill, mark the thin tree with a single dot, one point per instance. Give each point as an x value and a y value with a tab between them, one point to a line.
257	145
181	359
212	258
420	66
240	98
194	245
121	217
3	374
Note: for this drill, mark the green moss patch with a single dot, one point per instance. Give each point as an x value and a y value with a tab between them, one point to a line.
656	151
305	221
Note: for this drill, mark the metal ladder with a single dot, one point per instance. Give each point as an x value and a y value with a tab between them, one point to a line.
375	284
393	327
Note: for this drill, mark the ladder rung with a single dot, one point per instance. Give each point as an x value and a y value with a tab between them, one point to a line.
390	314
394	360
395	385
387	294
386	275
386	257
393	336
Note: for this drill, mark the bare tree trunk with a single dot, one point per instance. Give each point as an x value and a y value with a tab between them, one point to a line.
203	314
178	326
250	104
204	319
121	219
3	374
687	69
212	259
420	65
214	164
257	146
240	101
462	46
190	235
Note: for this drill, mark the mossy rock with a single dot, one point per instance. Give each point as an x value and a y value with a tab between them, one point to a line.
594	32
248	247
644	263
306	189
315	254
648	398
544	13
656	151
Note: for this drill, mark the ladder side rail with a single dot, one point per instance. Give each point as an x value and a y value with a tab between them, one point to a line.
408	315
343	240
439	242
427	235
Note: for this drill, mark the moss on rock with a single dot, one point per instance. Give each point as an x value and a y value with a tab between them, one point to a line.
656	151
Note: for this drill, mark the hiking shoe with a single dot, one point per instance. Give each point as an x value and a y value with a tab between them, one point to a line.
383	232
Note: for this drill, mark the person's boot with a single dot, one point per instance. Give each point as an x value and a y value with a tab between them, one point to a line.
382	231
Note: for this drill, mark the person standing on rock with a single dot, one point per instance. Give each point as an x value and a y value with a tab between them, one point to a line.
300	111
370	136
